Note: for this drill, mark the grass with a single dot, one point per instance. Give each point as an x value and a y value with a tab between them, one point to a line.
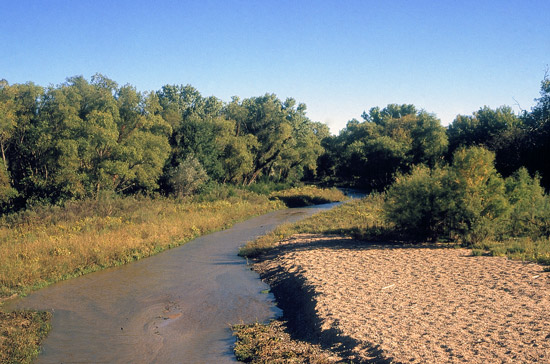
307	196
524	248
359	218
50	244
266	344
21	333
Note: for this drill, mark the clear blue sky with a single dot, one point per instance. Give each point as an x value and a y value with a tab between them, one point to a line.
338	57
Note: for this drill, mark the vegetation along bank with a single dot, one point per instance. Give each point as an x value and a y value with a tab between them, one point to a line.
91	161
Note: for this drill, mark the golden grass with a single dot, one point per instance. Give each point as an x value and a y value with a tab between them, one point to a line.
50	243
41	248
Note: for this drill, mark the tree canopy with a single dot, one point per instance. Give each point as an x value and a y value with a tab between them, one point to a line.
81	138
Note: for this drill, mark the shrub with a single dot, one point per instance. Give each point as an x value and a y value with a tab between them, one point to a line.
467	200
416	202
530	207
477	204
188	177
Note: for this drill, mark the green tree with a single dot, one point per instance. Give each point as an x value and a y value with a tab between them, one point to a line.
388	141
498	130
530	206
187	177
536	146
478	203
417	203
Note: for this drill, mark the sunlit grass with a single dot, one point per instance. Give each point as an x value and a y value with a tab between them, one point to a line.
359	218
526	249
51	244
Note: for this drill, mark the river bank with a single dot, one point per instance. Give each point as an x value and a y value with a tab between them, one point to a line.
159	290
365	302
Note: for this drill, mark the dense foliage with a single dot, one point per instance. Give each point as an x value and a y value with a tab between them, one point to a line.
80	138
392	140
481	178
468	201
483	175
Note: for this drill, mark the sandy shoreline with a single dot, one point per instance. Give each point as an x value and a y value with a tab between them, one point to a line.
383	303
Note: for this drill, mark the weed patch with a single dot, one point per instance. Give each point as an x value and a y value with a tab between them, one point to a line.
21	333
271	343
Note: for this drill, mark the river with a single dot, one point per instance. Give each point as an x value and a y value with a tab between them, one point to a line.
175	307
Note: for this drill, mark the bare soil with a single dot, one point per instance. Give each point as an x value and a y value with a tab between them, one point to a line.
410	304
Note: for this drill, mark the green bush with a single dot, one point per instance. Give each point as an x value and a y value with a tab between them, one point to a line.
187	177
465	201
477	204
416	203
530	207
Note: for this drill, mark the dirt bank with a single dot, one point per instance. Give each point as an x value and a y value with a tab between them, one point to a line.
414	304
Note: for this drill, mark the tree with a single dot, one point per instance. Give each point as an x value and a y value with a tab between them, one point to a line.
498	130
530	207
187	177
477	203
417	203
537	141
387	142
95	136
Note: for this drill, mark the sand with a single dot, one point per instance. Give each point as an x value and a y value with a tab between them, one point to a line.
410	304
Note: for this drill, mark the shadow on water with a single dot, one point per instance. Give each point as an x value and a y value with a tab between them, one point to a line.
174	307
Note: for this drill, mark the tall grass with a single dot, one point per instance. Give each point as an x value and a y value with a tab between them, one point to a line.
51	243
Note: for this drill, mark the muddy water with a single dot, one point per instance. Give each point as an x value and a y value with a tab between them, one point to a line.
175	307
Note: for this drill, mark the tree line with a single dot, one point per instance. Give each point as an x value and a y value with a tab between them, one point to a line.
482	177
82	138
392	140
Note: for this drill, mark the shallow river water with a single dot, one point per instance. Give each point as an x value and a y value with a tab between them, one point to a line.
175	307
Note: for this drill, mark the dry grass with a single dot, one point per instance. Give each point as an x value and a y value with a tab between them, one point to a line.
51	244
271	343
21	333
